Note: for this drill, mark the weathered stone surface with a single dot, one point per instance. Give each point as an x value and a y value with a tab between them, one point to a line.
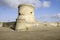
25	17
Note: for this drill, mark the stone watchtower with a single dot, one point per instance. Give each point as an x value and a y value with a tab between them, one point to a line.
25	17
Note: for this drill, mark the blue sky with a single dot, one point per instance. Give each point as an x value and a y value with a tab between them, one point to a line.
49	10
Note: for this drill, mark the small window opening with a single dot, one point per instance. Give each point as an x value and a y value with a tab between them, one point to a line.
19	14
31	12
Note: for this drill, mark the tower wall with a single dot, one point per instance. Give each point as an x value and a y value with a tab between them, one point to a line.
25	17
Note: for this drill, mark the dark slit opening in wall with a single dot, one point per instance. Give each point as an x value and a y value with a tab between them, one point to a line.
19	14
31	12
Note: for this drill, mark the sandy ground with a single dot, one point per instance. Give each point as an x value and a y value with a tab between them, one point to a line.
8	34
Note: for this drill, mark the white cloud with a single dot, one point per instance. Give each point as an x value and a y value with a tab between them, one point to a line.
46	4
58	14
15	3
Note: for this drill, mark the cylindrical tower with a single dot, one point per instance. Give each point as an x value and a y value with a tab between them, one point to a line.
25	16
